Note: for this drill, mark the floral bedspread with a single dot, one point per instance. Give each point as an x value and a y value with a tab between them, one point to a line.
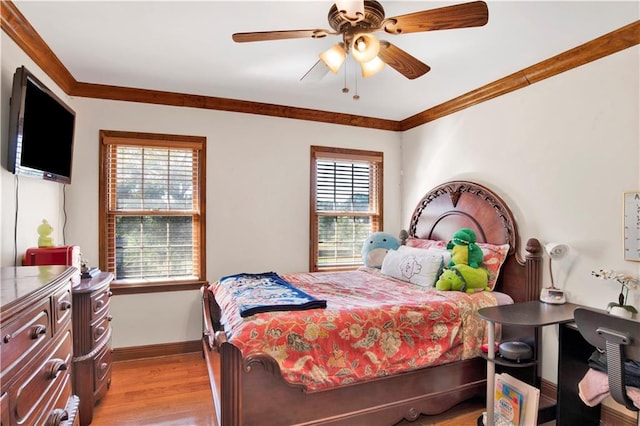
372	326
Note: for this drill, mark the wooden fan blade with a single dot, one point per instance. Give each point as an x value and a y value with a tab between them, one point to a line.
401	61
316	72
474	14
279	35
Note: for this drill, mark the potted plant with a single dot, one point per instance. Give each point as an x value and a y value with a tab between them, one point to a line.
619	308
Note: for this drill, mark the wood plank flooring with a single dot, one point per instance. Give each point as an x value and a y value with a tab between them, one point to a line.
163	391
174	391
463	414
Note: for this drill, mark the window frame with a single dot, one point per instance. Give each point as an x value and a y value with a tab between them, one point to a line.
342	154
109	138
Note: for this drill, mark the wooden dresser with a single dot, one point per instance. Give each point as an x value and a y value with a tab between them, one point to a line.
91	342
36	345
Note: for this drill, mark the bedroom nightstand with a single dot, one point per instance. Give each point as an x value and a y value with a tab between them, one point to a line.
91	342
573	353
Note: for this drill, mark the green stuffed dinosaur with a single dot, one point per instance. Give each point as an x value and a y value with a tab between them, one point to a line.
464	249
464	272
463	278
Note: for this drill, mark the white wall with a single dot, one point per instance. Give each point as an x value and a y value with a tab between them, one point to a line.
36	199
257	196
561	153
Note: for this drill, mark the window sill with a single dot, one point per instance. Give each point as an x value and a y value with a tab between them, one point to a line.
119	288
338	268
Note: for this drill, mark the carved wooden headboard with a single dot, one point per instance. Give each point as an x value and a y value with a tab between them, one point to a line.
462	204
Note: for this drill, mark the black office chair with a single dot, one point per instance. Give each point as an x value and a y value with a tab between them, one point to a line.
619	338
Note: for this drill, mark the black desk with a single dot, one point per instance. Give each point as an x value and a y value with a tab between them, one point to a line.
573	353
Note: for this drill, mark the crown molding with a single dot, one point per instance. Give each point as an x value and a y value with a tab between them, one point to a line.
100	91
600	47
20	30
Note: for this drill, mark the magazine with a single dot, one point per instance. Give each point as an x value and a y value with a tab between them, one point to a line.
509	404
515	403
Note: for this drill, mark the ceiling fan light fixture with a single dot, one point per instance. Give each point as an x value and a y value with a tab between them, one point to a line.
365	47
372	67
334	57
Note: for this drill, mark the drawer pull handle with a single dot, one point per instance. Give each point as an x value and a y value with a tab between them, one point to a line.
109	293
57	416
65	306
55	367
99	304
7	338
109	318
100	331
103	366
37	331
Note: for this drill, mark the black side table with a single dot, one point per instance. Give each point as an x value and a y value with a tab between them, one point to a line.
538	314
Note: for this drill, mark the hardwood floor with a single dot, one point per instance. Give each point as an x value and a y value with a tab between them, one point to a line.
163	391
174	391
463	414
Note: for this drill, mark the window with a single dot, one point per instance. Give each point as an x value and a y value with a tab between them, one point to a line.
152	225
346	205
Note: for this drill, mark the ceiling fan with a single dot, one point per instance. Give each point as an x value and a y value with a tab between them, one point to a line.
357	20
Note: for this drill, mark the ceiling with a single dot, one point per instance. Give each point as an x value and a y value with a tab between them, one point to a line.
186	47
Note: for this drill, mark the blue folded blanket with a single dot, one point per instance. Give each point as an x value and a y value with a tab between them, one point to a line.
267	292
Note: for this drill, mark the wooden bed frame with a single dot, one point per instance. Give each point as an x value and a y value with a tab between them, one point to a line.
252	392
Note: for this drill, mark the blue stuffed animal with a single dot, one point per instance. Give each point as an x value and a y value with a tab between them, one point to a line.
375	248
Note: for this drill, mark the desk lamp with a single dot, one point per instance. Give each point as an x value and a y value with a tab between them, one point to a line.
552	294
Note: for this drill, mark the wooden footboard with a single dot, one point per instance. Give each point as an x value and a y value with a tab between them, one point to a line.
263	398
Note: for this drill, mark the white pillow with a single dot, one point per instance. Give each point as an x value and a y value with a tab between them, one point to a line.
418	268
431	251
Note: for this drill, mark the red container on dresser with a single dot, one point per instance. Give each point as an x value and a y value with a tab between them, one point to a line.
60	255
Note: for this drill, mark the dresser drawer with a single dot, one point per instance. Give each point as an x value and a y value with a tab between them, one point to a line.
63	411
62	307
40	381
24	337
100	303
100	330
102	371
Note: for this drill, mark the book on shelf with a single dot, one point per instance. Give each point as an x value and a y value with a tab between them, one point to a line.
516	402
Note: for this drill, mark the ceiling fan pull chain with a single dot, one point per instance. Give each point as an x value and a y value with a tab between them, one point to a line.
345	89
356	96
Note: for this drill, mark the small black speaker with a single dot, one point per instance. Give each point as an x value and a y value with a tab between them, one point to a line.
515	351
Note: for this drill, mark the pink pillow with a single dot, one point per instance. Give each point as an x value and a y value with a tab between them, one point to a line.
420	243
494	255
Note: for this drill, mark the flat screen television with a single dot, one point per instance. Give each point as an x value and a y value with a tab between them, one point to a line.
41	130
